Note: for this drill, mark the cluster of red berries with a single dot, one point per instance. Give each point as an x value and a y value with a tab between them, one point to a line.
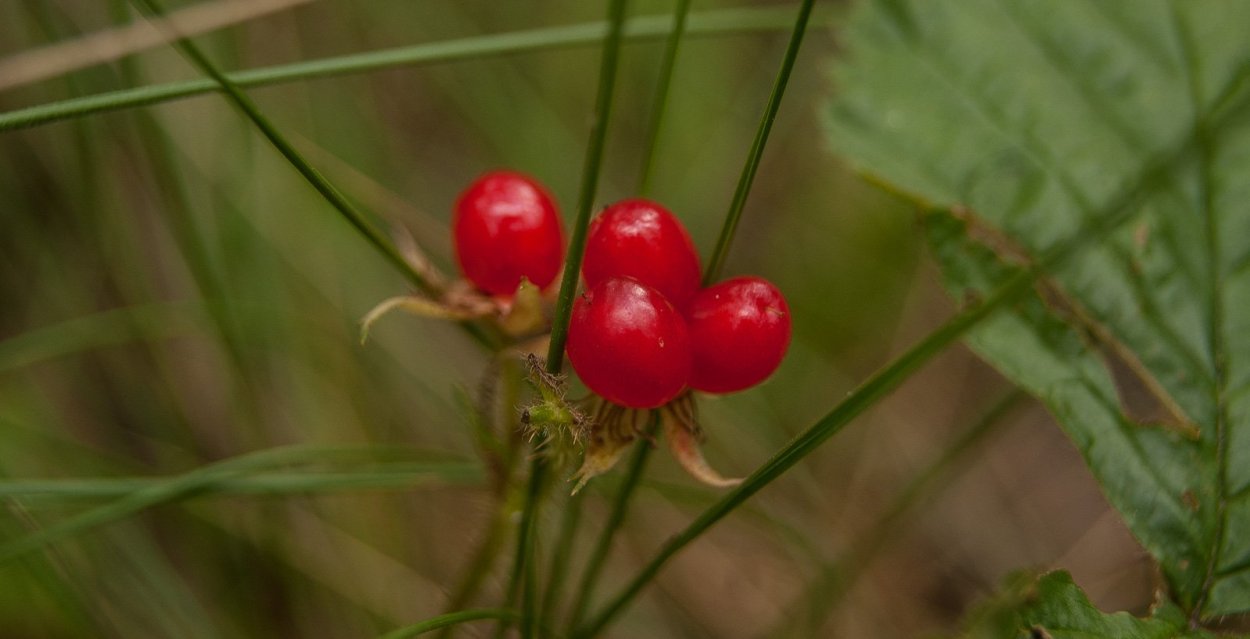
644	330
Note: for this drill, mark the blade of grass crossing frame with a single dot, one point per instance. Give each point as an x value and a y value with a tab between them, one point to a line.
680	11
174	489
376	476
590	183
557	574
707	23
717	261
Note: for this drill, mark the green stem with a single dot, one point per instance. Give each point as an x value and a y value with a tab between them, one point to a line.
449	619
520	581
561	552
717	261
680	11
590	182
389	476
564	300
529	593
620	506
174	489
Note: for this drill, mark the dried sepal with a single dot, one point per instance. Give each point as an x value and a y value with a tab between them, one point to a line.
414	304
523	314
612	430
685	439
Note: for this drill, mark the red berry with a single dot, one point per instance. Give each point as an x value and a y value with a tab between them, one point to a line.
506	227
628	344
641	239
739	331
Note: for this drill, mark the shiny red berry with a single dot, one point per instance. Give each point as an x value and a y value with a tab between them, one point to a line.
640	239
628	344
739	332
506	227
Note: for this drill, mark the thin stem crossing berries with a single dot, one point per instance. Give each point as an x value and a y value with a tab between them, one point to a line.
506	228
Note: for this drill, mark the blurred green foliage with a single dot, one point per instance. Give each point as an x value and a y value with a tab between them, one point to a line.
175	295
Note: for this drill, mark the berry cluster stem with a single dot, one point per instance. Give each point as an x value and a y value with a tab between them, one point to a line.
590	182
564	302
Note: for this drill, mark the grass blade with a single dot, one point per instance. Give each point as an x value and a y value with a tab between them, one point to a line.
557	572
717	261
174	489
590	182
387	476
680	11
710	23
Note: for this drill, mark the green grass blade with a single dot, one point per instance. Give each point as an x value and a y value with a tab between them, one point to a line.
450	619
557	572
710	23
386	476
717	261
175	489
681	11
590	183
620	506
1119	210
107	328
522	574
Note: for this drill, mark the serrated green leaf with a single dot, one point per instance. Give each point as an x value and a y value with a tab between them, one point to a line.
1021	119
1053	606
